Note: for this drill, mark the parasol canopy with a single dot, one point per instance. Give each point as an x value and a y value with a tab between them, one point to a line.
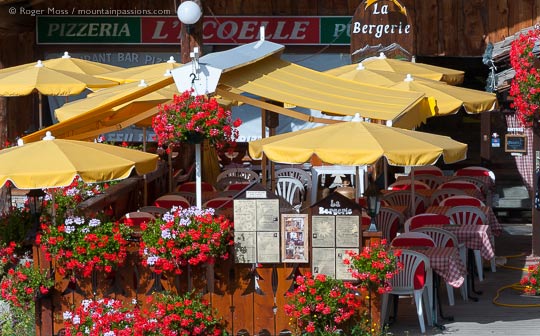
71	64
54	162
444	99
102	97
47	81
147	72
447	75
358	143
98	119
23	80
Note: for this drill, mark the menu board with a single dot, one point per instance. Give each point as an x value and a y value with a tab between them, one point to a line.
267	251
324	261
256	230
342	270
245	247
347	231
267	215
323	231
245	215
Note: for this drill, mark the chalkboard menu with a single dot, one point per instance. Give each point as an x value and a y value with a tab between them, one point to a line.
516	143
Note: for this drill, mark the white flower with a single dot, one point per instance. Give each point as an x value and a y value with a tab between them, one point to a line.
166	234
85	230
168	217
72	192
109	333
152	260
94	222
134	301
69	229
67	315
85	304
76	319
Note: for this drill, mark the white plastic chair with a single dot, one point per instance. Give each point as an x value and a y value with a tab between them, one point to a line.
403	283
471	215
170	200
431	170
292	190
433	181
299	174
444	238
475	171
191	197
403	198
439	194
244	173
406	184
389	222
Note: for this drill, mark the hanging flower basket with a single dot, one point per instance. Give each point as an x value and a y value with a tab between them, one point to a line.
192	119
81	245
185	237
525	86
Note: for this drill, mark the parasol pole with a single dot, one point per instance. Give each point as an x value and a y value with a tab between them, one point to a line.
144	139
198	188
40	110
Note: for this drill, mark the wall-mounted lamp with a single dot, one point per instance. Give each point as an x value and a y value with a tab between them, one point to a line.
189	13
373	198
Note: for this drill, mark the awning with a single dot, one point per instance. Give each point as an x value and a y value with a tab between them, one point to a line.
101	119
277	80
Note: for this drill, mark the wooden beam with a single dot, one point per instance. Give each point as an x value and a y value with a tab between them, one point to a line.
271	107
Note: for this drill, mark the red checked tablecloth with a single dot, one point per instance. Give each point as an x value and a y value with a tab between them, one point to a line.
447	263
475	237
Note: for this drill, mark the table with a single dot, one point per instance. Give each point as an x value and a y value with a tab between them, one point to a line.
493	223
475	237
447	263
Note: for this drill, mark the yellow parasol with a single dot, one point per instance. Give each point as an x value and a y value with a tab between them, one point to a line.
98	119
97	99
46	81
71	64
450	76
444	99
56	162
147	72
358	143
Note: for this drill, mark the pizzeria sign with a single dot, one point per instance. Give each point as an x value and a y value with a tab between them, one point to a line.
217	30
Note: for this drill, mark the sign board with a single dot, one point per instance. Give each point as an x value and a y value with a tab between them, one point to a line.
515	143
217	30
380	24
335	228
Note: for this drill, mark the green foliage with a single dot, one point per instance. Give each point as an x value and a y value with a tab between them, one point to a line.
15	225
17	321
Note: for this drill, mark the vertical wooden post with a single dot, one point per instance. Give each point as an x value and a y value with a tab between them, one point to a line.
44	306
535	210
193	39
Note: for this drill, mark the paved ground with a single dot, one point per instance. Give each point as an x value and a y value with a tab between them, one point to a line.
500	310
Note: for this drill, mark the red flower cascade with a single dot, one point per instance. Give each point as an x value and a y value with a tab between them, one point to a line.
194	118
525	87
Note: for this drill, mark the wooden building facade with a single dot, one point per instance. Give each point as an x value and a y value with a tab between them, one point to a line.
441	28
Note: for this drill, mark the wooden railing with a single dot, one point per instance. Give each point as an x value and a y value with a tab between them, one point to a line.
250	298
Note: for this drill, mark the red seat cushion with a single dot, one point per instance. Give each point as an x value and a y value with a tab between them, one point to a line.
432	219
170	203
461	201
